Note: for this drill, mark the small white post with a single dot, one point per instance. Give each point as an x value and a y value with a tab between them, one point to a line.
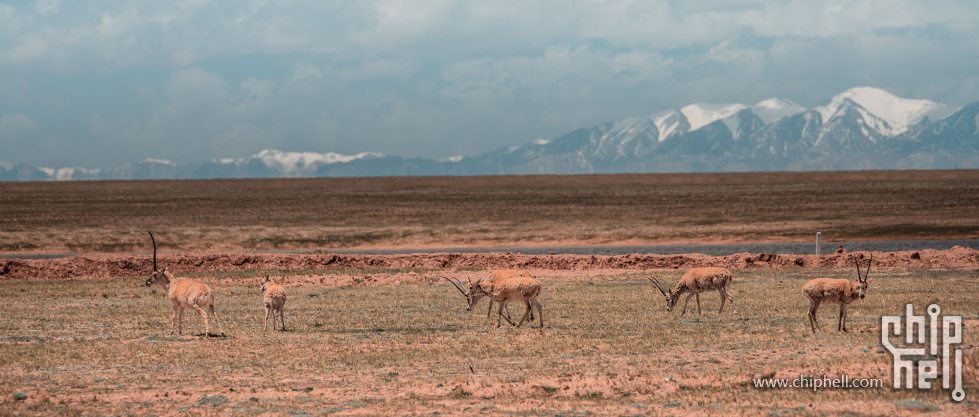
818	236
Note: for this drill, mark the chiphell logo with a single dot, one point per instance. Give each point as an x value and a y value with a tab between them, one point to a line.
923	353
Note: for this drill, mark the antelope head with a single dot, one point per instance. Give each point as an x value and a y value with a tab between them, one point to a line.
157	273
671	297
265	283
862	281
475	292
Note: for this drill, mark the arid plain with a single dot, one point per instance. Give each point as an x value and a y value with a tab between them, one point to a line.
384	334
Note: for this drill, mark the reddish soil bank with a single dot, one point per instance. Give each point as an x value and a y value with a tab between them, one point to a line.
112	265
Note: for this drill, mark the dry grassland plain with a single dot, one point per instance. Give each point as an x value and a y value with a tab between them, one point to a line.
413	212
397	341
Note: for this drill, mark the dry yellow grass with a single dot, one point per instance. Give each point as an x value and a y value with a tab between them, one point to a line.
92	347
357	346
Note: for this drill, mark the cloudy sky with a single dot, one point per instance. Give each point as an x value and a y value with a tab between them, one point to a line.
95	84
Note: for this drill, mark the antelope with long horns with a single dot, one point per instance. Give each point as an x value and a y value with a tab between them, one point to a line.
184	294
696	281
517	288
501	275
837	291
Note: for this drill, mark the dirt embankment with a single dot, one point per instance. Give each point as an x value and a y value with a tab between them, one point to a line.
111	265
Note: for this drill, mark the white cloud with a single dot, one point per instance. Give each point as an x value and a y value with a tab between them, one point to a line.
397	19
29	49
48	6
16	124
303	71
378	68
253	98
446	77
191	31
195	93
98	126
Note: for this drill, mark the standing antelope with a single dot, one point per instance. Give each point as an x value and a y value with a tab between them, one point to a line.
185	294
501	275
516	288
839	291
275	299
696	281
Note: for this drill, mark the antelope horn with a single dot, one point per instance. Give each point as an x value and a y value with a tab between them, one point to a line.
154	250
867	274
859	278
456	285
658	286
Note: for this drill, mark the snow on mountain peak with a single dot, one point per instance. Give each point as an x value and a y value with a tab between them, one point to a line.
776	108
702	114
158	161
68	173
899	113
624	124
300	163
667	123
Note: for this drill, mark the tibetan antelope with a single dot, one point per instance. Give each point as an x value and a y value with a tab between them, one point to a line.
501	275
275	299
184	294
838	291
696	281
517	288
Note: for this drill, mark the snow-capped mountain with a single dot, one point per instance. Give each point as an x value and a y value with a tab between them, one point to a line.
861	128
268	163
775	108
886	113
275	163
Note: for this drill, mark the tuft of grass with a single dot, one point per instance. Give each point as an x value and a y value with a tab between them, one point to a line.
460	392
547	389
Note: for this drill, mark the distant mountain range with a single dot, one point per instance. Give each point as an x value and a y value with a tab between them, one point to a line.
861	128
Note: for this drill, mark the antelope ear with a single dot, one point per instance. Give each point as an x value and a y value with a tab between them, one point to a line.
164	269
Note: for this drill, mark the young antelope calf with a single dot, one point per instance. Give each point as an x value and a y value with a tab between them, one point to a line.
184	294
696	281
275	299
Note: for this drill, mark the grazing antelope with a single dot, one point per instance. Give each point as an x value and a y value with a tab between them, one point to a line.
185	294
501	275
839	291
275	299
696	281
517	288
